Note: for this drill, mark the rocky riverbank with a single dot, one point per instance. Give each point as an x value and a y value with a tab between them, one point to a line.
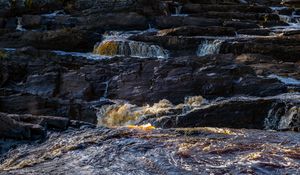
79	76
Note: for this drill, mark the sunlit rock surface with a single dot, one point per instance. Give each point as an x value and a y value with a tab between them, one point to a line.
180	151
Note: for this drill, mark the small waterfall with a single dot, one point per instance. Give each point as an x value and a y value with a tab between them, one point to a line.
178	9
105	91
209	47
19	24
130	48
286	19
283	116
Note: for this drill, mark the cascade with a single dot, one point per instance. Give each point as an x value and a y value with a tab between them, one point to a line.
105	91
130	48
19	25
283	116
209	47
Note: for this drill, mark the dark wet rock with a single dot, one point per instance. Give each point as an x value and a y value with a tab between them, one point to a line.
64	39
265	66
196	8
232	114
164	22
11	23
75	86
241	16
197	31
36	105
277	113
49	122
116	21
31	21
293	3
240	25
44	85
154	7
262	32
211	76
283	48
12	129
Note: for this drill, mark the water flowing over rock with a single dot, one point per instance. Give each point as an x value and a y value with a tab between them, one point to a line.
130	48
149	87
208	47
283	116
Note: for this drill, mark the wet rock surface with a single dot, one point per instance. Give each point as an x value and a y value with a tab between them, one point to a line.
137	69
181	151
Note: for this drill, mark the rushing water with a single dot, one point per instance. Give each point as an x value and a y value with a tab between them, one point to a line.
130	48
178	9
292	20
80	54
180	151
286	80
19	24
283	117
209	47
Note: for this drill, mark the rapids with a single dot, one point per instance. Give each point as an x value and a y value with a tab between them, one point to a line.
173	151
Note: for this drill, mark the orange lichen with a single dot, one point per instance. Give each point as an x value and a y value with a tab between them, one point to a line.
146	127
108	48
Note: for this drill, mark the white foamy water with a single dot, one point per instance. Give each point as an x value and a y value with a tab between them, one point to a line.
285	80
19	24
54	14
209	47
178	10
80	54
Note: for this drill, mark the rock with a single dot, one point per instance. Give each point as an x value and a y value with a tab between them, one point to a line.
45	85
75	86
261	32
282	48
240	25
164	22
196	8
197	31
211	77
277	113
231	114
31	21
64	39
11	23
49	122
12	129
116	21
